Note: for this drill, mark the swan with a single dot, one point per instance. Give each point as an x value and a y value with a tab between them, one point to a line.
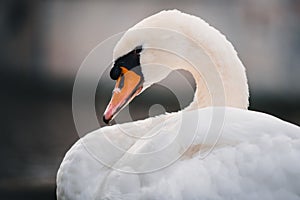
213	149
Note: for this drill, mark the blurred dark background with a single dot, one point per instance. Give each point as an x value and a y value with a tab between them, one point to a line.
43	44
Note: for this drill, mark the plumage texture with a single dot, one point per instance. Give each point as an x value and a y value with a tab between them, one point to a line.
256	157
198	153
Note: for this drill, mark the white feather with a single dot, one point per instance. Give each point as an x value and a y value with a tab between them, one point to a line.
257	156
219	152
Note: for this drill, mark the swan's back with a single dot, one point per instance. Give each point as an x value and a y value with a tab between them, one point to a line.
257	156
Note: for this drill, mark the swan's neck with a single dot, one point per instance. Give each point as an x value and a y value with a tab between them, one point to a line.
202	97
176	40
219	74
206	94
219	81
218	86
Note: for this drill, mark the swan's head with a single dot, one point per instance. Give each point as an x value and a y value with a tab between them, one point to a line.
129	82
132	76
172	40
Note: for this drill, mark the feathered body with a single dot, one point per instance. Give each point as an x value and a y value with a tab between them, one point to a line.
214	149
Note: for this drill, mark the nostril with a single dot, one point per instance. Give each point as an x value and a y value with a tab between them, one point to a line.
116	90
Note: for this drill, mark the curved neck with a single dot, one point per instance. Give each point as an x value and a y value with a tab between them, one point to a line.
209	90
218	86
202	97
220	80
182	41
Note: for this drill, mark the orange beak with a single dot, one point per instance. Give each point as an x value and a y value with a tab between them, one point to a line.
128	86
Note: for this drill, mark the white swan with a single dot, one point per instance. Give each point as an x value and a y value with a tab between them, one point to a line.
214	149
